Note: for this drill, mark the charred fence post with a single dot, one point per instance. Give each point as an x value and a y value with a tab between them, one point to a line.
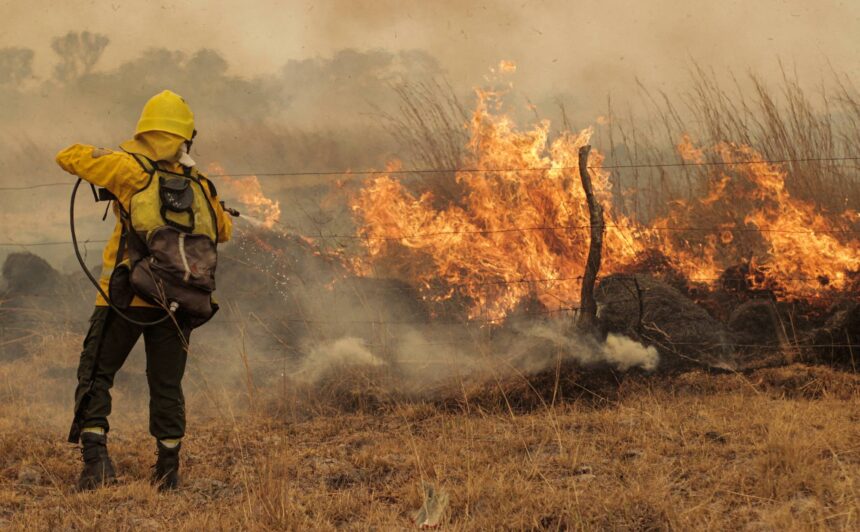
587	319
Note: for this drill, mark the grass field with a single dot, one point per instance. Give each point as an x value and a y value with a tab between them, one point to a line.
774	449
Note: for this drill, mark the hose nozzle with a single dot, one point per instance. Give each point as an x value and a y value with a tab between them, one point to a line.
232	212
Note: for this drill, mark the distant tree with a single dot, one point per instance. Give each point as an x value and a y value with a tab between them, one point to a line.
16	65
79	52
207	62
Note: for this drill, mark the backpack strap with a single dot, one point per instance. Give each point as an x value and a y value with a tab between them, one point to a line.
144	162
213	193
129	235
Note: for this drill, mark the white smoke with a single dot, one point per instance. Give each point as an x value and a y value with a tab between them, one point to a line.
423	358
625	353
540	345
329	356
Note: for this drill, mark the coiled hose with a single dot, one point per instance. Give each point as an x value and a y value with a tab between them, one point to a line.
89	275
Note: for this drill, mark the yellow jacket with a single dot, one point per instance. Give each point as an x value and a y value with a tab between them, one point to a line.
122	176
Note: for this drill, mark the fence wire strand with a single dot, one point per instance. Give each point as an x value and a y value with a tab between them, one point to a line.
559	228
420	171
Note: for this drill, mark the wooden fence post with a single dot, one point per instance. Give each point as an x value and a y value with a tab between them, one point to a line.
587	318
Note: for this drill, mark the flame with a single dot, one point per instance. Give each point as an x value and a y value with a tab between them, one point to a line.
476	247
688	150
788	242
802	244
507	66
247	191
517	232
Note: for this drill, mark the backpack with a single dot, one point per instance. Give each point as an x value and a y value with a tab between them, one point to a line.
171	232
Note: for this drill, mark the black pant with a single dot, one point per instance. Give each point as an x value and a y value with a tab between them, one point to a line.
106	347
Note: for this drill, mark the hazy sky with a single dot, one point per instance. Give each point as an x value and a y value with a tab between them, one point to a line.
562	46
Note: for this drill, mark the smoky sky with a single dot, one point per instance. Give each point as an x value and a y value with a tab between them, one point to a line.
576	46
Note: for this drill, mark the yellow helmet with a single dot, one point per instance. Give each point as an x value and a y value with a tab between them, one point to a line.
167	111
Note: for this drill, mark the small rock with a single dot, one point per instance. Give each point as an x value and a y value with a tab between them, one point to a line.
29	476
583	469
143	523
631	454
715	437
209	486
213	484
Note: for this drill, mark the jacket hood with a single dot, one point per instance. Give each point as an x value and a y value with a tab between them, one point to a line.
155	145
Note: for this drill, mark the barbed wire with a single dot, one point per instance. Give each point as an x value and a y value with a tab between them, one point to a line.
513	230
533	168
824	280
53	243
583	227
501	230
311	321
41	185
419	171
836	294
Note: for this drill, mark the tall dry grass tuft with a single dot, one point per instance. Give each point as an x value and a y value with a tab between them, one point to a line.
783	121
430	131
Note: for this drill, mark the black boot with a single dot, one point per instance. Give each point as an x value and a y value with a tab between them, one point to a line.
167	467
98	469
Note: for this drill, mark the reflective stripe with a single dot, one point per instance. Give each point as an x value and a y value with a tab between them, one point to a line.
184	258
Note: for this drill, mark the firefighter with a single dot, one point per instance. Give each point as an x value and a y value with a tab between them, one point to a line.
135	174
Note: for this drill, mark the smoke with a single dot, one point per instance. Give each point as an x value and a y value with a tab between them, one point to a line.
624	353
561	43
334	356
540	345
421	359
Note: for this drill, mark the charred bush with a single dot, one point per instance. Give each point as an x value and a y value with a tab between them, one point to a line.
657	314
26	273
838	341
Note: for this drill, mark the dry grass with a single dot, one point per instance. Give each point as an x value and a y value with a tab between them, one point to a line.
810	122
776	449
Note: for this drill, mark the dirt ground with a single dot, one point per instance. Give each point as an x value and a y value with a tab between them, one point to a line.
773	449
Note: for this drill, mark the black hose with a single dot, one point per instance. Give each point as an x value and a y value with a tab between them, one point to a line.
90	275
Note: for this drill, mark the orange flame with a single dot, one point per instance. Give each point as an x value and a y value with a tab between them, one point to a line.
247	191
507	66
802	243
518	231
476	247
